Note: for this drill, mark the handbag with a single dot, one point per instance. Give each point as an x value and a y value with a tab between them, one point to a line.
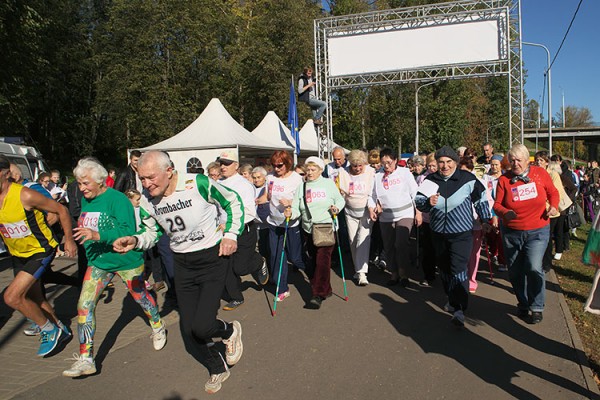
322	234
573	220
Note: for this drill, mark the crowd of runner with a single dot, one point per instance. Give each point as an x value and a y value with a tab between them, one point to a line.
198	235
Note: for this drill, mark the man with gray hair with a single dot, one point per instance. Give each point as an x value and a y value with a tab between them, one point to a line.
186	210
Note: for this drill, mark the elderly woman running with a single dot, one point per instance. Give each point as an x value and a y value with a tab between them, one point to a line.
106	215
521	198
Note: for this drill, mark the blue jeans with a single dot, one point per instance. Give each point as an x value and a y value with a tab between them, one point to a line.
318	107
524	252
293	252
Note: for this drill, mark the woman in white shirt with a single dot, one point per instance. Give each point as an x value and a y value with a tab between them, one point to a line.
392	202
356	185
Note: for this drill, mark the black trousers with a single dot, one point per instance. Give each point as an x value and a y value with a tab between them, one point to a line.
244	261
199	281
452	253
427	252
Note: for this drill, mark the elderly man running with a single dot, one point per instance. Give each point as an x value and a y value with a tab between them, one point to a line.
186	210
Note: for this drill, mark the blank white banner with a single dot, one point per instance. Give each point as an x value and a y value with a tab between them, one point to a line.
454	43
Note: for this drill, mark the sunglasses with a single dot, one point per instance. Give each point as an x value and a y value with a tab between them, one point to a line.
301	173
225	162
277	165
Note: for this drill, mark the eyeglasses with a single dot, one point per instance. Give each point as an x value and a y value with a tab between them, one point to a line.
301	173
277	165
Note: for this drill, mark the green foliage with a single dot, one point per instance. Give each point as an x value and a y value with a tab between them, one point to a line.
99	76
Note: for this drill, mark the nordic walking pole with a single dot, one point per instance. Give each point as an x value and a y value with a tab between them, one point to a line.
337	238
287	220
487	249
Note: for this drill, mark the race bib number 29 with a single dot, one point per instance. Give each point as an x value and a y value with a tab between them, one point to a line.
524	192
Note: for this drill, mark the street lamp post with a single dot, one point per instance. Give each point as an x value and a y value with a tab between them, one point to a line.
549	72
417	114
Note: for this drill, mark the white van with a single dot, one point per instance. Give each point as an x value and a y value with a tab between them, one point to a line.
27	158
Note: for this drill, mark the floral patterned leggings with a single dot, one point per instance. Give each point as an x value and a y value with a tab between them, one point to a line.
94	282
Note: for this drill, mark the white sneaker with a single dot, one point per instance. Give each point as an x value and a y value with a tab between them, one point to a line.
362	279
32	330
213	385
159	338
458	318
81	366
558	256
234	346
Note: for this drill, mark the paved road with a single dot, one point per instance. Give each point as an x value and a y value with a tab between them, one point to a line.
382	343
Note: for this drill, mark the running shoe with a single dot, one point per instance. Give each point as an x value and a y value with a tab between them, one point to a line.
234	346
283	296
82	366
213	385
458	318
158	286
502	268
49	340
315	302
362	279
159	338
232	305
558	256
32	330
536	317
262	275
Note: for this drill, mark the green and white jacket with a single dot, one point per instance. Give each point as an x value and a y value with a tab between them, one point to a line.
189	215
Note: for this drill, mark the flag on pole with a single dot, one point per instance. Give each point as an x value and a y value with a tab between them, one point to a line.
293	116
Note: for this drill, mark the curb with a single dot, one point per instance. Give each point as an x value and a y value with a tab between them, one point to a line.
586	371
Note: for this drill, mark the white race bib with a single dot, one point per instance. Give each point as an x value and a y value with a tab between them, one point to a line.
89	220
524	192
15	230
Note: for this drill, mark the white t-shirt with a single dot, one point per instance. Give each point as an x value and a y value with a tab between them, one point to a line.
281	188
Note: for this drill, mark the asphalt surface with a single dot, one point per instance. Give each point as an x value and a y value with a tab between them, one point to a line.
382	343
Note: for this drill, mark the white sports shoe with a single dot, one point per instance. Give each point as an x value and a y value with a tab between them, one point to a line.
234	346
558	256
213	385
159	338
81	366
362	279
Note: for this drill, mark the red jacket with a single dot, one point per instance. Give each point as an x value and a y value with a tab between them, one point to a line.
528	201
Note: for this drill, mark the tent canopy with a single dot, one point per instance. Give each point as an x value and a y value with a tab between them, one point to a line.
272	129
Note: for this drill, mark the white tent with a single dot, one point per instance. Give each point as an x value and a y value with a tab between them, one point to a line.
271	129
309	134
211	133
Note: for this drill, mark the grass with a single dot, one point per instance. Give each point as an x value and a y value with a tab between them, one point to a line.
575	280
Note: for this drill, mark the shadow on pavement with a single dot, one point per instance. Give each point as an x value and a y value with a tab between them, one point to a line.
431	330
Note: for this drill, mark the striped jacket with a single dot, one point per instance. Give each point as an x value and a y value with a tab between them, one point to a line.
453	212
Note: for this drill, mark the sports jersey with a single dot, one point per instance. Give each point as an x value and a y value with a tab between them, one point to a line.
24	232
357	189
247	193
189	215
395	192
281	188
112	216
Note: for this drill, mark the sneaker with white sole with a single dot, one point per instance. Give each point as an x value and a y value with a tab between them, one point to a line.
234	346
213	385
458	318
49	340
82	366
502	268
362	279
558	256
159	338
283	296
32	330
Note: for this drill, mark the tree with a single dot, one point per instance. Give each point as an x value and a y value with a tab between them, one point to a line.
575	117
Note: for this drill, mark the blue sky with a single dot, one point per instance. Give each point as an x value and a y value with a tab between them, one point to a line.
576	71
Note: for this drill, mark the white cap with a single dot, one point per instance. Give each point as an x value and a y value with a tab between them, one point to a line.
230	155
315	160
